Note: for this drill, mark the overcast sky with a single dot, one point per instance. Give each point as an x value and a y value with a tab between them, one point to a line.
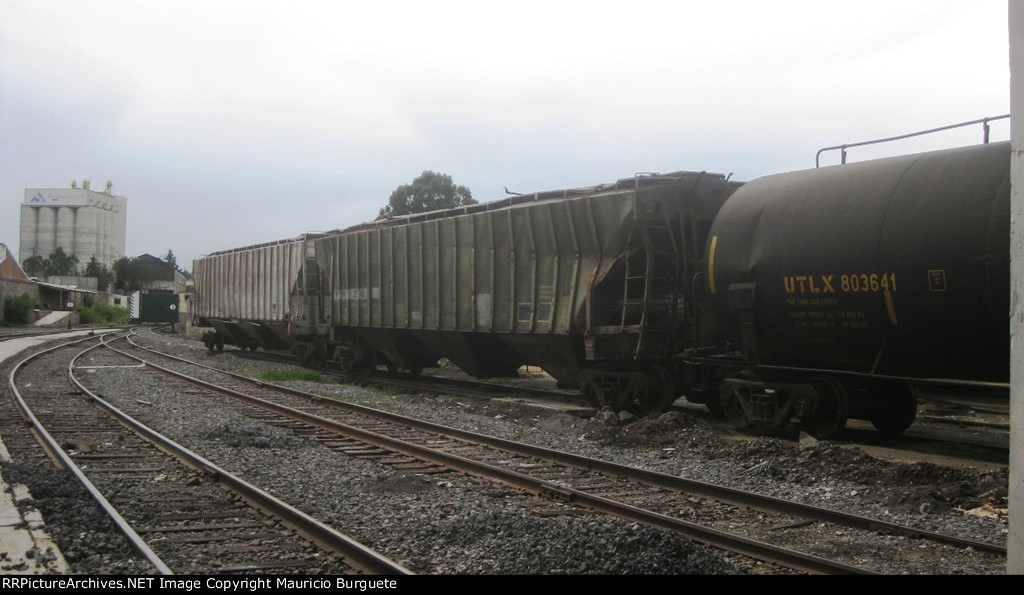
231	123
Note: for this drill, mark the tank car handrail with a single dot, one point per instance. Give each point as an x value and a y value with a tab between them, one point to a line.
983	121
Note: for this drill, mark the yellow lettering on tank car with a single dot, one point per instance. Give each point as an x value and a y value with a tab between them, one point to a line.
849	283
809	284
711	264
868	283
891	308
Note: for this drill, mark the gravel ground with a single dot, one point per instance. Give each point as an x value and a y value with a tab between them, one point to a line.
444	526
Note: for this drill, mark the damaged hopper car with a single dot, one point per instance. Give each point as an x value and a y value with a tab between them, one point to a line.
818	296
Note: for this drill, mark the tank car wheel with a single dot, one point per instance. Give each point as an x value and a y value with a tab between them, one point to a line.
714	404
730	401
658	394
830	410
896	405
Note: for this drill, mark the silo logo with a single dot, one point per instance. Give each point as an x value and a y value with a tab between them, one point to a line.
38	198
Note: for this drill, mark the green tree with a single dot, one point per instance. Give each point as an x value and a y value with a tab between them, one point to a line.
430	191
101	272
172	260
61	263
127	274
34	266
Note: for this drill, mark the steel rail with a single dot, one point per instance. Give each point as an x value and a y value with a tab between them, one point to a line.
702	534
323	535
57	453
652	478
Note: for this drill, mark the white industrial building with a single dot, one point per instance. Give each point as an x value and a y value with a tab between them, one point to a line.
80	220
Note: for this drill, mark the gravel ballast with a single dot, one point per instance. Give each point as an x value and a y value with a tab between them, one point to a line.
449	525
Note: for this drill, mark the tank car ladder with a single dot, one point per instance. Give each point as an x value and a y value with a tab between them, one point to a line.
652	280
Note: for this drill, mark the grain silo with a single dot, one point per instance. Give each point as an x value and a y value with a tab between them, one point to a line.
81	221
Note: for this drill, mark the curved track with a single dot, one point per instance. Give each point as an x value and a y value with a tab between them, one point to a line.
186	514
972	429
623	491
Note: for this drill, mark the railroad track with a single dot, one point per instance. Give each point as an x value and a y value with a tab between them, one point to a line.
771	528
181	513
984	439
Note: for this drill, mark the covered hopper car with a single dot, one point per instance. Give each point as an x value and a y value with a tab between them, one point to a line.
258	296
818	295
594	285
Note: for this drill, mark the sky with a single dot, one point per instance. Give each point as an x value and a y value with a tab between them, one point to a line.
233	123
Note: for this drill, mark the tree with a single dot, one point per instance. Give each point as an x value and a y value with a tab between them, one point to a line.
430	191
128	274
172	260
57	264
61	264
34	266
101	272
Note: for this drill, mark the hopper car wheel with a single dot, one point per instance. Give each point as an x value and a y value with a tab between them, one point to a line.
657	393
367	364
318	358
896	406
592	392
830	411
358	359
214	341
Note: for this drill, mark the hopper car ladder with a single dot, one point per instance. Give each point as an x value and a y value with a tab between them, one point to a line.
652	278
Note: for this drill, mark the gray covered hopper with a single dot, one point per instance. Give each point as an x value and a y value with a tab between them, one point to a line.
551	279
